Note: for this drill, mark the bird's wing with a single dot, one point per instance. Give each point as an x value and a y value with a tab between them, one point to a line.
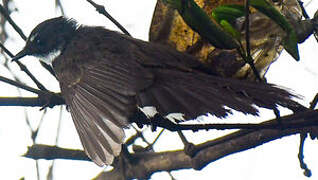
105	77
158	56
100	93
185	85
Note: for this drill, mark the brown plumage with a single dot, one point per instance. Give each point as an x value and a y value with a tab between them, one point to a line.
105	76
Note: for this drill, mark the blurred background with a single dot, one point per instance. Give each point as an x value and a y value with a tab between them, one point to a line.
275	160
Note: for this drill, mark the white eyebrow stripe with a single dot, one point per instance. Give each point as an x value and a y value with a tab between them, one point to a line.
33	36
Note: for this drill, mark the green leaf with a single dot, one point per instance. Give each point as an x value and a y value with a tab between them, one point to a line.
290	42
200	22
228	12
230	29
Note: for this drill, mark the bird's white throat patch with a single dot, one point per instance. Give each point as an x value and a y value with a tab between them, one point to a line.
49	58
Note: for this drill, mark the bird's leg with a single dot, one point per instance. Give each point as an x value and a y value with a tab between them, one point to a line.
277	114
139	118
189	148
156	121
121	162
303	165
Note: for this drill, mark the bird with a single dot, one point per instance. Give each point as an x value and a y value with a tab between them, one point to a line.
106	77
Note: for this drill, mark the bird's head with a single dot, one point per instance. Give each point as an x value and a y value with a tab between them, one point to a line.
48	39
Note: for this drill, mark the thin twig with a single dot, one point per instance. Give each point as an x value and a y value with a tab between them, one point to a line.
27	120
171	176
22	86
34	134
314	102
6	50
133	138
36	131
58	131
101	9
6	15
248	56
24	68
150	146
4	34
141	136
303	10
158	136
37	169
58	4
247	26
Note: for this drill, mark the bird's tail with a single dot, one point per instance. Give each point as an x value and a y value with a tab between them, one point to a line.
195	94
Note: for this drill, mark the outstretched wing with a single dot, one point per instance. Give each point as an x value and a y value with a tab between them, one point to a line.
106	76
100	92
100	102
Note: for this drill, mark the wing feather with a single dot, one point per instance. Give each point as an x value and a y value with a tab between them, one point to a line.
101	96
99	142
104	107
91	147
95	114
103	81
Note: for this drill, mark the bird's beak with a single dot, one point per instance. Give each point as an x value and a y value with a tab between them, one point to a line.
20	55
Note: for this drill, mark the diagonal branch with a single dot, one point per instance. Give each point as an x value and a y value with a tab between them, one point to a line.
101	9
6	15
19	85
23	68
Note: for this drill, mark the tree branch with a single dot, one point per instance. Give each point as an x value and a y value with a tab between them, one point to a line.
101	9
55	99
23	67
40	151
19	85
286	122
143	164
6	15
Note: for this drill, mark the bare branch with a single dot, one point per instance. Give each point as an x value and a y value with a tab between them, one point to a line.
101	9
56	99
19	85
40	151
284	123
248	58
58	4
23	68
143	164
6	15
